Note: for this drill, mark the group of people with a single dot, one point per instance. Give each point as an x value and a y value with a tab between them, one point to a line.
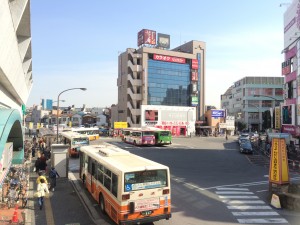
40	167
42	185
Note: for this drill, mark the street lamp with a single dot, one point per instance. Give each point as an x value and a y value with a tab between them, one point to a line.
187	120
83	89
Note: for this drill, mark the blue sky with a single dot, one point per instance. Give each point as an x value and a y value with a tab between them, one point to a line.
74	40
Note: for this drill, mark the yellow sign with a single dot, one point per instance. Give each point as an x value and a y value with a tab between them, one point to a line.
279	171
70	123
38	126
277	118
30	125
120	125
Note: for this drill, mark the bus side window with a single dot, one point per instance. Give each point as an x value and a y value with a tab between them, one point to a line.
114	185
89	165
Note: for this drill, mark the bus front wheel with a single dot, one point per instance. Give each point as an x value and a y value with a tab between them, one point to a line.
102	204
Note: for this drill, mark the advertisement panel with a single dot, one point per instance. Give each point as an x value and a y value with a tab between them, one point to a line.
194	100
277	118
146	36
163	40
218	113
194	76
279	172
288	114
151	115
169	58
194	64
119	125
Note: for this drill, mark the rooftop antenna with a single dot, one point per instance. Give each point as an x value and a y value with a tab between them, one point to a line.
284	4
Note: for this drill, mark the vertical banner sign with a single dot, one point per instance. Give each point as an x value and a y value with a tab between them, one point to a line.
277	118
279	172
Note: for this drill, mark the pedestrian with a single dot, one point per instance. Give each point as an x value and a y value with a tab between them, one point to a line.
37	164
33	151
42	189
40	177
226	137
53	174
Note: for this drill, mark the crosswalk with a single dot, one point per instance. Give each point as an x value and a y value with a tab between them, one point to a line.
247	208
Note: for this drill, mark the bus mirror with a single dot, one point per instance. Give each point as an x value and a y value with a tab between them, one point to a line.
131	207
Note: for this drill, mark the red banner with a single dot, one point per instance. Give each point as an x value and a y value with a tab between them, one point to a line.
169	58
194	64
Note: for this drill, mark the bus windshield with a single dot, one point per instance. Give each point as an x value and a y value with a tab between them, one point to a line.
83	141
142	180
148	133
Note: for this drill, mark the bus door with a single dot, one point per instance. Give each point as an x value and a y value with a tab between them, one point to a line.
93	184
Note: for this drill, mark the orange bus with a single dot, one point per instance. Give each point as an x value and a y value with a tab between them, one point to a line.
129	189
74	140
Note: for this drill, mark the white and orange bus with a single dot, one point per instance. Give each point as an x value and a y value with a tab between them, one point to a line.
129	189
91	132
74	140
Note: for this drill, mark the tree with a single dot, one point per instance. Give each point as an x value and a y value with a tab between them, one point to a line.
266	116
240	125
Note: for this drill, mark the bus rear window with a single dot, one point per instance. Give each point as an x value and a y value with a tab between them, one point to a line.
148	133
147	179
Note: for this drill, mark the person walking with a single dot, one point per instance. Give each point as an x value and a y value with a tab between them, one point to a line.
37	164
40	177
53	174
42	189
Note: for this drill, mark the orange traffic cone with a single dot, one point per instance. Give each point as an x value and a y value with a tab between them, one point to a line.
15	216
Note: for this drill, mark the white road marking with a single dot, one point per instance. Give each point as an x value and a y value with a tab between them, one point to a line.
241	202
237	196
243	207
262	221
235	192
255	213
233	189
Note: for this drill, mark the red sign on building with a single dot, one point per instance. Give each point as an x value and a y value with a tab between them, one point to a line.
194	64
169	58
194	76
147	37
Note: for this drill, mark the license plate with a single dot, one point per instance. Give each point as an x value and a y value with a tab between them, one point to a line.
147	213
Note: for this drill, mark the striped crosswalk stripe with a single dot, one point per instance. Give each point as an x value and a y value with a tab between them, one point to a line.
247	208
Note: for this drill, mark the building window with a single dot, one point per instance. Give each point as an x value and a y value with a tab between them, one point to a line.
168	83
267	91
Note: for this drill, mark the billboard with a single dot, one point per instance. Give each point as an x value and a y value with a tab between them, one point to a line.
163	40
146	36
218	113
279	172
288	114
277	118
119	125
194	76
151	115
195	64
194	100
169	58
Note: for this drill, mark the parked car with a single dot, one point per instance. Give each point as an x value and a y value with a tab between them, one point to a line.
246	147
243	136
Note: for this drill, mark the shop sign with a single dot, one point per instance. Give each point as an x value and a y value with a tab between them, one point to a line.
194	64
279	171
218	113
174	123
289	129
169	58
277	118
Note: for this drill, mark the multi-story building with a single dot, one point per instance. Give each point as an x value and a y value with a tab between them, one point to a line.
291	72
170	82
15	79
249	97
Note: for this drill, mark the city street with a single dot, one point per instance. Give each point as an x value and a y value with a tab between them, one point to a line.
212	183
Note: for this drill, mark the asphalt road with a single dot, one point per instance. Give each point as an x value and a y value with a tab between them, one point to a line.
212	183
